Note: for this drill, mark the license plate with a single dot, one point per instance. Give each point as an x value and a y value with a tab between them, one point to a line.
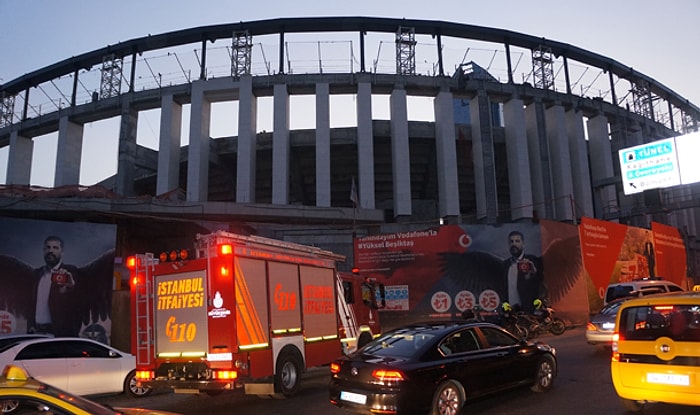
353	397
666	379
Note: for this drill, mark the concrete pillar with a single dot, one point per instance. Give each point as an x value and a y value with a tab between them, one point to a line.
625	135
400	157
169	145
519	181
19	159
323	145
280	145
580	173
198	153
126	159
604	195
484	159
688	214
560	163
247	141
68	152
365	145
446	152
540	173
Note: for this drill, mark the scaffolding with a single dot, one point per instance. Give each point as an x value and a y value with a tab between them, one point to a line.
111	79
543	68
242	46
642	100
689	124
7	110
406	51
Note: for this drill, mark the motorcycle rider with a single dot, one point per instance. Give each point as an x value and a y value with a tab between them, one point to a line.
541	311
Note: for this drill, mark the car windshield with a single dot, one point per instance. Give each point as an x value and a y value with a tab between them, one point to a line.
401	344
611	309
618	291
678	322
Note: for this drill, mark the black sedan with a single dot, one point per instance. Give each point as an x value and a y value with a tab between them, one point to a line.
434	367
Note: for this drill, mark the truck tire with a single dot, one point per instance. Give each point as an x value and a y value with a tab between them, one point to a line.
288	372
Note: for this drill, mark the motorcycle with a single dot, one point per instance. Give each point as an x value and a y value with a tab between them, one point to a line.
507	320
542	321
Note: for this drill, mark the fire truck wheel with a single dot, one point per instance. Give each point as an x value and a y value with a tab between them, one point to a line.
132	387
288	373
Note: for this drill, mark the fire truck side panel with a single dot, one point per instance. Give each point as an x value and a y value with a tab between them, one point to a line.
320	316
285	315
251	303
318	296
252	316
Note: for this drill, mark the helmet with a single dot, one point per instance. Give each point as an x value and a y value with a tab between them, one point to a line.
506	307
537	303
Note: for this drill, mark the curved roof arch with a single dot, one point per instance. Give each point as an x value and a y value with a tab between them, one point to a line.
343	24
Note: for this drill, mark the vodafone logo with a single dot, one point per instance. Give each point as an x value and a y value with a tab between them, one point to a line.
464	241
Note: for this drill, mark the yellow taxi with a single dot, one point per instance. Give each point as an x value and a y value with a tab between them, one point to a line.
656	350
21	394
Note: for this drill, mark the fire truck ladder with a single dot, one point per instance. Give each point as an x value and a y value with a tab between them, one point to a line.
143	312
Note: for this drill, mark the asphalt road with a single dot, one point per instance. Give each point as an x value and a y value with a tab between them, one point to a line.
583	386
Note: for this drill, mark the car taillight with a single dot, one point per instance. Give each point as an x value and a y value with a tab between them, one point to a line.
335	368
615	339
590	327
387	375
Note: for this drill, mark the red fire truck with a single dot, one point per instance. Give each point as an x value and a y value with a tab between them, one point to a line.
245	312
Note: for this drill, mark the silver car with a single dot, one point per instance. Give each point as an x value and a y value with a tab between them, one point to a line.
600	328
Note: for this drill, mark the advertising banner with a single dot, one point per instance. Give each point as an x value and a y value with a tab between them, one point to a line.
438	273
57	277
671	257
617	253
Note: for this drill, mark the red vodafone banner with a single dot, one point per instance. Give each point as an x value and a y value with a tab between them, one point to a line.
439	272
601	243
671	260
617	253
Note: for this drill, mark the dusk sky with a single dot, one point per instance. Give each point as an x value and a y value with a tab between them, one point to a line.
655	38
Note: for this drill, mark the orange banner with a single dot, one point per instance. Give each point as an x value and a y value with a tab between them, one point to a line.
671	258
617	253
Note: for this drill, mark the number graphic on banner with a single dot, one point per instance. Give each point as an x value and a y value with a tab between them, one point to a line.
489	300
177	332
441	301
464	300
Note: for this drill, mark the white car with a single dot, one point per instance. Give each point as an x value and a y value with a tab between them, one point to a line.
639	288
7	339
77	365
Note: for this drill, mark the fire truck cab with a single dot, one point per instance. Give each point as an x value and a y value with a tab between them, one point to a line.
245	312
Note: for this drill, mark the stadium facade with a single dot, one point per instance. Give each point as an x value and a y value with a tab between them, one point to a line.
521	128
